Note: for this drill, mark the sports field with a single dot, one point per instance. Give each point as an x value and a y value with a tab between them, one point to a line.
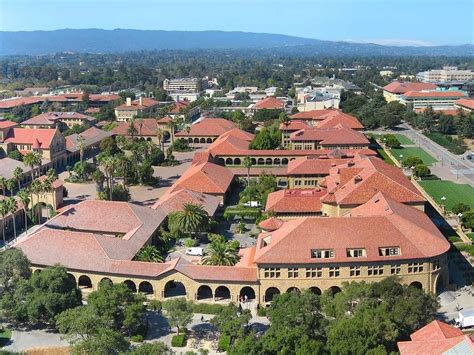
454	193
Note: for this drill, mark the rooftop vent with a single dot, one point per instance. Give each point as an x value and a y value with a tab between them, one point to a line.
357	178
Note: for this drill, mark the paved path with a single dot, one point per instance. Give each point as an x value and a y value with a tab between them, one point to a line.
23	340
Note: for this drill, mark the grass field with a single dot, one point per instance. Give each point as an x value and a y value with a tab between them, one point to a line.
413	151
404	140
454	193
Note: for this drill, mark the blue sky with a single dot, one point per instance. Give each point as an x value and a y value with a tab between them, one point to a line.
419	22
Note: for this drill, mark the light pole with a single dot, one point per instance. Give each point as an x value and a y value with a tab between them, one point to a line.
443	198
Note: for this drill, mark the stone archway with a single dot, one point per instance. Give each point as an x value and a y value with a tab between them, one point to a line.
105	282
334	290
84	281
202	140
315	290
293	289
228	161
209	140
196	140
72	277
260	161
268	161
204	292
284	161
174	289
276	161
254	161
146	288
270	293
247	291
222	294
237	161
417	285
439	284
131	285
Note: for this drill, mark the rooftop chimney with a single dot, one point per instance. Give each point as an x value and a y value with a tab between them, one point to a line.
140	101
129	101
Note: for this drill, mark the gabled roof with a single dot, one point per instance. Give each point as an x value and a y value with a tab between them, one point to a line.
38	137
342	119
437	338
271	224
91	136
293	125
148	127
213	127
433	94
270	103
205	177
356	184
295	201
7	124
468	103
178	106
315	115
403	226
8	165
398	87
312	166
173	201
338	135
135	105
50	118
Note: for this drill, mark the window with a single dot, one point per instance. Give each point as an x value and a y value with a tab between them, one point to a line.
355	253
395	269
375	270
322	253
334	271
271	272
354	271
312	272
389	251
297	182
292	272
415	267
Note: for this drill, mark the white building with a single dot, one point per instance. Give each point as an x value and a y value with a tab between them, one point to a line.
446	74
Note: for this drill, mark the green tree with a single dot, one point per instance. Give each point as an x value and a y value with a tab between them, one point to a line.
24	197
391	141
32	159
149	253
158	348
18	176
460	208
12	207
247	163
192	219
267	138
468	219
178	312
231	321
3	185
221	252
11	186
14	266
4	210
105	341
412	161
421	170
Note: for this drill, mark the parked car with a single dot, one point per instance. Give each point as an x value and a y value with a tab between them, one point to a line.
194	251
465	319
252	204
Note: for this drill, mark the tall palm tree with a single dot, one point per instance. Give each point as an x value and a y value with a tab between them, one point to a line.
3	184
12	208
172	128
109	164
18	176
24	197
149	253
81	145
11	186
140	125
32	159
132	130
247	162
221	252
192	219
3	213
159	136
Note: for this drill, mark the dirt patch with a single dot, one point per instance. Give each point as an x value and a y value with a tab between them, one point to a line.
49	351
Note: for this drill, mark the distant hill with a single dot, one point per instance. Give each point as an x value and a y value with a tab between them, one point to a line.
119	40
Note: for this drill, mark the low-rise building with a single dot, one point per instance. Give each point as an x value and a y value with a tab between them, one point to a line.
437	100
447	74
140	107
146	128
394	90
269	103
58	119
338	137
465	104
206	130
89	141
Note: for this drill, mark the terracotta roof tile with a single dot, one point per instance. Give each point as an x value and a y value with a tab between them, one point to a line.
7	124
398	87
38	136
213	127
174	201
149	127
468	103
295	201
338	135
271	224
270	103
430	94
314	115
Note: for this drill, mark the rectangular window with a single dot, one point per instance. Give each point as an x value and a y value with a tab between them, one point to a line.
292	272
314	272
395	269
322	253
355	271
389	251
271	272
355	253
415	267
334	271
375	270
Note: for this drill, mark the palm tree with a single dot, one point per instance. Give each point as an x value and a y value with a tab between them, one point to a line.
11	186
24	197
172	128
192	219
221	252
3	212
159	136
149	253
32	159
18	176
140	125
247	162
80	145
12	208
109	163
3	184
132	130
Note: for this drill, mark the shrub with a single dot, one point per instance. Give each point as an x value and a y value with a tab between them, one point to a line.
262	312
190	242
206	308
391	141
137	338
178	341
468	219
224	343
460	208
421	170
181	145
412	161
155	305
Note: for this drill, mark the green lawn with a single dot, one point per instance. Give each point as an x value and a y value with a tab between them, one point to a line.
404	140
413	151
471	236
5	335
454	193
385	157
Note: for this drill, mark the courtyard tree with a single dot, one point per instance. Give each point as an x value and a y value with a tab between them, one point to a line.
247	163
158	348
18	176
421	170
178	312
192	219
231	321
12	207
221	252
4	210
32	159
24	197
14	266
149	253
412	161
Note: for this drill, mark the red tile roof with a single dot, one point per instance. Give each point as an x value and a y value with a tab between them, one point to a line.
338	135
293	125
149	127
173	201
212	127
146	103
50	118
436	338
205	177
398	87
38	137
75	97
468	103
7	124
343	119
271	224
178	106
400	225
356	184
314	115
295	201
270	103
433	94
312	166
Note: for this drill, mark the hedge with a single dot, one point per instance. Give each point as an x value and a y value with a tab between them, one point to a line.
262	312
178	341
207	308
224	343
242	212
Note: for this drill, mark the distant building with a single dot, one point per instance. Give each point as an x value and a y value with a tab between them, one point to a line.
386	73
394	90
139	107
56	119
34	91
184	84
437	100
446	74
465	104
